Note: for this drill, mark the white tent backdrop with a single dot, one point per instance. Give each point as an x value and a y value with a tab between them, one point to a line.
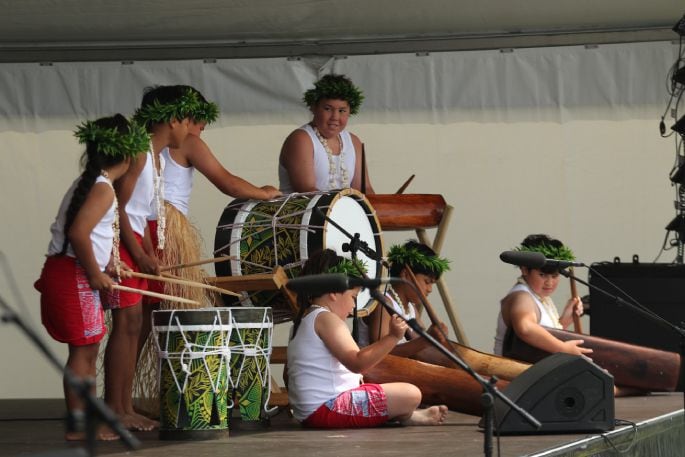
556	140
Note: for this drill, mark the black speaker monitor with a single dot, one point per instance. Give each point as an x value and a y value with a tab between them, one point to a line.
566	393
659	287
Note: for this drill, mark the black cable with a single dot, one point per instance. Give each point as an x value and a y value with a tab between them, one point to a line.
627	449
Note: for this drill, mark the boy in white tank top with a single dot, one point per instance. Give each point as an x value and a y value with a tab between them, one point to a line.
528	308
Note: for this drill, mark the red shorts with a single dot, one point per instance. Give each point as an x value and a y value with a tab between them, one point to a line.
119	298
70	309
154	286
364	406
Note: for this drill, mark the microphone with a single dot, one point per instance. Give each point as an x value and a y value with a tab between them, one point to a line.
333	282
535	260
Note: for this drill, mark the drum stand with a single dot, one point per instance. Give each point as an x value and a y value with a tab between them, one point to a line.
436	245
490	391
96	410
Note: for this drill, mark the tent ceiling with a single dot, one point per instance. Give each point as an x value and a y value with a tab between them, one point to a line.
37	30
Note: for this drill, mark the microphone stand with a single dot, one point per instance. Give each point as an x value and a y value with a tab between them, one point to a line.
95	408
649	314
490	391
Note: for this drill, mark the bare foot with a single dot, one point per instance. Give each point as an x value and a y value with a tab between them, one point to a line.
435	415
103	433
137	422
132	422
147	423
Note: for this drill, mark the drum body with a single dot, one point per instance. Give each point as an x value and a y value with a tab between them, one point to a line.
194	357
284	232
250	343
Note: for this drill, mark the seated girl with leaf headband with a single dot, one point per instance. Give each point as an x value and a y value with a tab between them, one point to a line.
407	260
322	155
325	386
528	307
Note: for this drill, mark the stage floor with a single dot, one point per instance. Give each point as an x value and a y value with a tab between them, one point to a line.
35	427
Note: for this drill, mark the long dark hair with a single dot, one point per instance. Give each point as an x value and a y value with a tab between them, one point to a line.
319	262
92	162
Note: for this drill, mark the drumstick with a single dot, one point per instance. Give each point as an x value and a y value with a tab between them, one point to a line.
155	294
198	262
574	293
431	312
405	185
363	185
184	282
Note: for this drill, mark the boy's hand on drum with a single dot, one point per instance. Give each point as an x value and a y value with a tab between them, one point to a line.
270	192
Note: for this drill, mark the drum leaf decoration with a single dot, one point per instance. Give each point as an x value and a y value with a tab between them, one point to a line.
193	374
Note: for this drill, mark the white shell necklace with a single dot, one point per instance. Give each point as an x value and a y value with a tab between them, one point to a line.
158	185
116	255
335	180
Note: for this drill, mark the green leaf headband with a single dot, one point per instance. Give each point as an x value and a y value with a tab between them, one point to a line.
349	267
111	142
412	257
189	105
551	252
336	88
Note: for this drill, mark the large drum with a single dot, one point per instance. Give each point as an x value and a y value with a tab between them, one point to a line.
283	232
250	374
194	357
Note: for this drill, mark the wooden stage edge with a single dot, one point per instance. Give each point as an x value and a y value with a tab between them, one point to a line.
34	428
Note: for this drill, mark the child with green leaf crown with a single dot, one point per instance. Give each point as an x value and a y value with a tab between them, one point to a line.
85	234
322	155
409	261
325	388
165	112
528	307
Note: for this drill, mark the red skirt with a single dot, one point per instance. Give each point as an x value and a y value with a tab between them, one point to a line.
122	299
70	309
152	285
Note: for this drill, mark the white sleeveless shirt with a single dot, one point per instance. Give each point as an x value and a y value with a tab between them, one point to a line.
102	235
178	182
140	206
545	320
364	335
321	165
314	375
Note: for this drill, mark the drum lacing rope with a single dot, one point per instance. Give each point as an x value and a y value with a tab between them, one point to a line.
187	354
254	350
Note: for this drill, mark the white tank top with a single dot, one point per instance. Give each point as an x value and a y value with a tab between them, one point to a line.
178	182
101	236
142	206
363	327
314	375
321	165
544	319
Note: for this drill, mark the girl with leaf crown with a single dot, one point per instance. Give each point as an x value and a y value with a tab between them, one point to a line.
427	267
322	155
84	237
528	307
325	388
